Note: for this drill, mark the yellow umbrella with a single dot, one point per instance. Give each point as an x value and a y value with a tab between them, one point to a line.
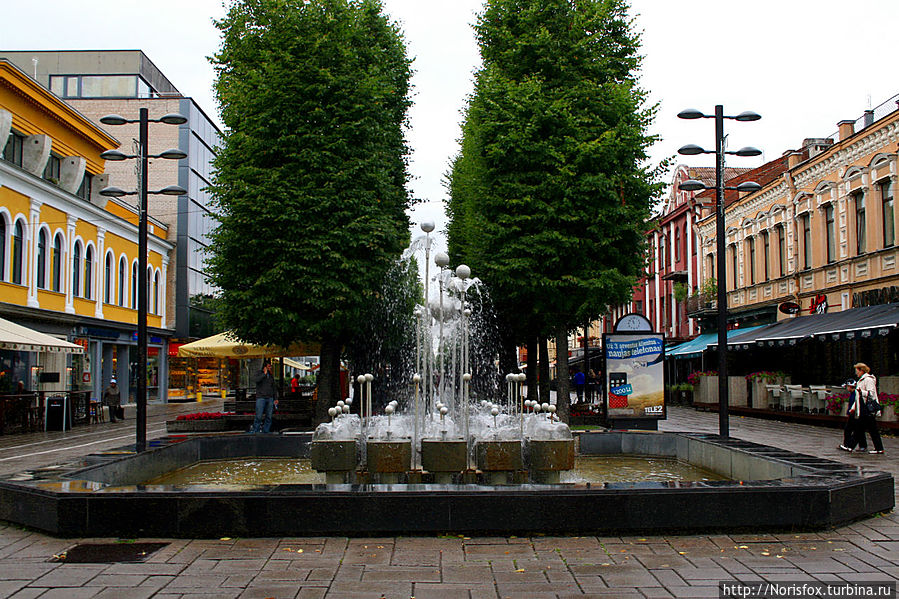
226	345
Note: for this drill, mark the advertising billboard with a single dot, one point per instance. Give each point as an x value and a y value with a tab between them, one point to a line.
634	375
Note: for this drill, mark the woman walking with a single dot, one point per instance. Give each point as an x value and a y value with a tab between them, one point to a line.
864	418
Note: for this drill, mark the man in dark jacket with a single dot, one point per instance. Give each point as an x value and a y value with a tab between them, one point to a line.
112	397
266	398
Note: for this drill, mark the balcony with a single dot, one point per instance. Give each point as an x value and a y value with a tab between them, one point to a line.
701	306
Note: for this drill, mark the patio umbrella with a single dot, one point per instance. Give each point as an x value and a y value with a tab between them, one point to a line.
226	345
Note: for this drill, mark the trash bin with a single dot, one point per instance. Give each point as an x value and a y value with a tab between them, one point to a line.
56	414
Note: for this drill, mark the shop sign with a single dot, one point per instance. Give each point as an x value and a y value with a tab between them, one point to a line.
82	342
819	304
789	308
173	349
152	351
876	297
101	333
149	338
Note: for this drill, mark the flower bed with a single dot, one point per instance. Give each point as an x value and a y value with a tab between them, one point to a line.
201	416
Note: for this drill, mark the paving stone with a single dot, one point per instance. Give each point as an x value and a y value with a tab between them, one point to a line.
311	593
441	590
467	574
270	591
116	580
28	593
9	587
71	593
394	574
67	576
125	593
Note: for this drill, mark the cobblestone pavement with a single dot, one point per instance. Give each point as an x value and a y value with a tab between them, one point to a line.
460	567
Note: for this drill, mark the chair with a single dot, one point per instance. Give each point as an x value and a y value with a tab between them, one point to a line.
793	399
35	411
775	396
816	396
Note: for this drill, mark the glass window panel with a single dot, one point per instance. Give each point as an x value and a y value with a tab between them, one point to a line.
109	86
58	85
72	87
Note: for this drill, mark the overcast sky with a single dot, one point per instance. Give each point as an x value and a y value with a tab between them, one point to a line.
803	65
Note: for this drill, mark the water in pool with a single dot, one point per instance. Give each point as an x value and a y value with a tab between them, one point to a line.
278	471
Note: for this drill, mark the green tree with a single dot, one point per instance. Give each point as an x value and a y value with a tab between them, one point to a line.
550	186
310	181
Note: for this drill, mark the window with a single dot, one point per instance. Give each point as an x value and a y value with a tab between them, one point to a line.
84	191
782	249
99	86
41	260
750	245
765	257
806	223
51	171
56	283
18	252
156	293
830	234
889	224
122	266
638	306
695	242
76	270
2	248
134	285
88	271
710	260
661	253
733	264
107	282
861	238
677	242
12	152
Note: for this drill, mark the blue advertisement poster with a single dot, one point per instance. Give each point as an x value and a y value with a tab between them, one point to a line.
635	375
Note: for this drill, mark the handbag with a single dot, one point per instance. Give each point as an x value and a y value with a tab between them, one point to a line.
872	406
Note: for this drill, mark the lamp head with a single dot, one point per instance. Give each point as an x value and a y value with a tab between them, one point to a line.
114	155
173	154
173	118
442	259
692	185
463	271
113	119
691	150
747	115
748	151
114	192
427	225
689	114
748	186
171	190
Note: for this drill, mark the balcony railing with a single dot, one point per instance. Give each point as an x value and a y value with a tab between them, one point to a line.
701	305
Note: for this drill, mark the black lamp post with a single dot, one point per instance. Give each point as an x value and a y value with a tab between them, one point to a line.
173	190
748	186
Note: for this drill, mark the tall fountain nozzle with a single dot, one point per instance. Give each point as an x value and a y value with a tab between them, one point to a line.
332	412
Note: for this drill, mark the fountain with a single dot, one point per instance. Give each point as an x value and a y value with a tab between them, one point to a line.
442	435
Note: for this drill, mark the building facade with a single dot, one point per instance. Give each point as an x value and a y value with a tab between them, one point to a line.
104	82
68	256
822	233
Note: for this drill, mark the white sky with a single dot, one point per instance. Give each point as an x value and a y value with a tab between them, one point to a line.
802	64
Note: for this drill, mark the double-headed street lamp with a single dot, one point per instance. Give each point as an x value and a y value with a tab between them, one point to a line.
747	186
172	190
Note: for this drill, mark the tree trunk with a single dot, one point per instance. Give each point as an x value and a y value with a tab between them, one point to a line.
328	379
544	371
532	369
563	393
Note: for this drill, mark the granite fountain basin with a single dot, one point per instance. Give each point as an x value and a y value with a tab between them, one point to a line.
104	494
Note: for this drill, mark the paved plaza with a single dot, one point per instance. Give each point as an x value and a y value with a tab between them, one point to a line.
449	566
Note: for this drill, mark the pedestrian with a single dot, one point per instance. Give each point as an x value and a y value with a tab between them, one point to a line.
266	399
863	412
295	383
112	398
579	381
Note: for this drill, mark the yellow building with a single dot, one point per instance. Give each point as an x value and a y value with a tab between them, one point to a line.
68	256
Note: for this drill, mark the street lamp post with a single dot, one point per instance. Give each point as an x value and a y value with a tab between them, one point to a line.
747	186
143	156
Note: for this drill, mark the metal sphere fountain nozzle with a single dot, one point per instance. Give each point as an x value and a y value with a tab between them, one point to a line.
369	377
442	259
494	411
427	225
360	379
340	404
416	378
463	271
389	409
522	377
332	412
443	411
466	312
466	377
509	377
544	407
348	401
552	409
346	409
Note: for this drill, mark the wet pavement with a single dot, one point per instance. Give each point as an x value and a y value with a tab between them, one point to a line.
446	566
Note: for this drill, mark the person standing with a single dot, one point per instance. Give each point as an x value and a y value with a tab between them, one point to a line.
295	383
579	382
266	399
112	397
861	419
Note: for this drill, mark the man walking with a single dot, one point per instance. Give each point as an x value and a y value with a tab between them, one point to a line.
112	397
266	399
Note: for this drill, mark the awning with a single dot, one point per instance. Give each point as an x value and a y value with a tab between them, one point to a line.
694	347
18	338
226	345
295	364
847	324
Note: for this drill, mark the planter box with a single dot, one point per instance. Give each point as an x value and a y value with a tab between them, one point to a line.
889	414
196	426
707	390
736	391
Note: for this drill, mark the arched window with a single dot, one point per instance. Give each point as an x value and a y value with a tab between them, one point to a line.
134	285
156	293
830	234
88	272
76	270
18	252
56	283
677	242
122	268
2	248
41	260
107	282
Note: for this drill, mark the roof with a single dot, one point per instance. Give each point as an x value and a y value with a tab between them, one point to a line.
695	346
847	324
